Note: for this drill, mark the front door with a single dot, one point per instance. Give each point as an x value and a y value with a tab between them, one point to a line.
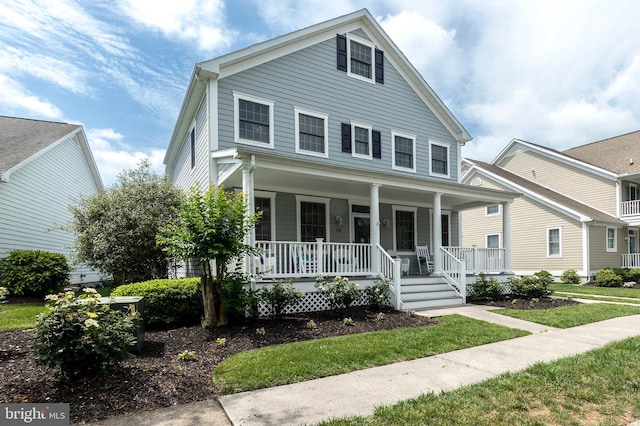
361	229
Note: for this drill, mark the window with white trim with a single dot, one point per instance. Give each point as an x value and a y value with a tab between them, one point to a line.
493	241
404	152
404	229
253	120
313	218
554	242
439	159
612	239
493	209
263	205
311	133
361	140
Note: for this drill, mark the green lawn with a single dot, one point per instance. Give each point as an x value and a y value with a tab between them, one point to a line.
296	362
19	316
571	316
599	387
560	289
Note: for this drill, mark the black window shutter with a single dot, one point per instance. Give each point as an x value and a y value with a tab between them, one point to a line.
379	66
341	47
376	144
346	137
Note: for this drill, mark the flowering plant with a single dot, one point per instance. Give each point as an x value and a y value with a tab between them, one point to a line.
4	292
80	336
339	291
377	295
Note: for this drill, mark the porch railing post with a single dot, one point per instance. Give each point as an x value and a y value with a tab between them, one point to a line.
474	259
320	255
462	271
397	274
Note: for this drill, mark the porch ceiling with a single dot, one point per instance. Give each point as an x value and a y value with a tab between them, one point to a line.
280	174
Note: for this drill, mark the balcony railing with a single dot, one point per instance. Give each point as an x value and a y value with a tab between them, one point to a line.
630	208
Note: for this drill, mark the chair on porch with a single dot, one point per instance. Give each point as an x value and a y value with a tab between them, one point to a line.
405	263
424	260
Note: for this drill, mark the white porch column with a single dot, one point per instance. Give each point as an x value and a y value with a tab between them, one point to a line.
586	264
247	190
374	225
437	233
506	235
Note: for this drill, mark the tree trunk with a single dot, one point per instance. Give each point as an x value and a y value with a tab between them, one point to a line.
208	301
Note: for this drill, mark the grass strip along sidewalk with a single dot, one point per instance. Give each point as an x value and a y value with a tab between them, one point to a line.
297	362
571	316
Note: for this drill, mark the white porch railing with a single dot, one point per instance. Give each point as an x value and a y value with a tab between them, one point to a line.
391	268
631	260
454	272
480	259
630	208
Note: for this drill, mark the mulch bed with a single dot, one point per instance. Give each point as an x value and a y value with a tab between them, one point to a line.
156	377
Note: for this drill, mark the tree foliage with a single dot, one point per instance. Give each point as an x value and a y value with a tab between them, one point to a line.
116	229
210	227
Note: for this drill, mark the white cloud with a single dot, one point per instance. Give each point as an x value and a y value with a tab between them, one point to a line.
18	100
112	155
199	21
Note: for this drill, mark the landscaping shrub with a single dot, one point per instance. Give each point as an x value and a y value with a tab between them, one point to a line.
544	276
608	278
377	295
627	274
279	296
81	337
169	302
339	292
570	276
239	301
533	287
34	272
486	290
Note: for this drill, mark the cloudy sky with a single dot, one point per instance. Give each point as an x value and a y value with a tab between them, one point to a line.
557	73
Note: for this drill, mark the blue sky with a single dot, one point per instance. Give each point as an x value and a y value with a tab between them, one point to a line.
557	73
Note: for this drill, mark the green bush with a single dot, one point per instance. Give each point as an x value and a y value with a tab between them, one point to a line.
627	274
608	278
339	292
533	287
570	276
279	296
239	300
81	337
486	290
377	295
167	303
545	276
34	273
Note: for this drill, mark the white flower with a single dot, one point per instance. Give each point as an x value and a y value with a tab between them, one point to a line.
90	290
91	323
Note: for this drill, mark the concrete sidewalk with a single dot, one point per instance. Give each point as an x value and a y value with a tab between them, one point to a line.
359	392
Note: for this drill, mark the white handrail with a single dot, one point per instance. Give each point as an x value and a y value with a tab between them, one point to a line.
455	273
391	268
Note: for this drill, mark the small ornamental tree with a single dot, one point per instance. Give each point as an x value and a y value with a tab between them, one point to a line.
210	227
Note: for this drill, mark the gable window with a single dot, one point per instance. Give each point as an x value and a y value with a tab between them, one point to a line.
311	133
612	239
554	246
493	210
360	59
192	140
404	152
404	229
439	159
263	226
253	120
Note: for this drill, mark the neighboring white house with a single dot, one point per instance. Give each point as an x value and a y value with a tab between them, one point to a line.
346	150
44	166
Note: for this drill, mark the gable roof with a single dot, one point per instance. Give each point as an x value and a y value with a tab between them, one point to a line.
553	199
22	139
261	52
619	154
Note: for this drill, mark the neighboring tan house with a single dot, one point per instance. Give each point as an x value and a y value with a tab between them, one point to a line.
580	208
345	149
44	166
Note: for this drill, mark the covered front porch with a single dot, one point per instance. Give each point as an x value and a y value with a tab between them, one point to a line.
359	223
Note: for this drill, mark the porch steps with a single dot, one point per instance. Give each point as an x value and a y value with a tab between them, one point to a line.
427	292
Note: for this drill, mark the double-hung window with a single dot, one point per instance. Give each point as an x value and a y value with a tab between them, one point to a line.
361	135
360	56
439	159
263	226
253	120
405	229
313	218
360	59
311	133
404	152
612	239
554	242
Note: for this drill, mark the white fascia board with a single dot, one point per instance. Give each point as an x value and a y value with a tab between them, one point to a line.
88	156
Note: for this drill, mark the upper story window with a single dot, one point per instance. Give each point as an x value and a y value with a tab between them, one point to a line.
361	141
311	133
253	120
404	152
360	59
439	159
493	210
554	246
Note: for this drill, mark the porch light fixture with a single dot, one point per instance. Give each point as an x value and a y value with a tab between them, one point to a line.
339	220
386	222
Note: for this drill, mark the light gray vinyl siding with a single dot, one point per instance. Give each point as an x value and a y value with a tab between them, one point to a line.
286	218
339	233
184	176
309	79
35	203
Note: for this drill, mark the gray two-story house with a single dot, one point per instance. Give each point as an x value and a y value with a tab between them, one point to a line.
351	157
